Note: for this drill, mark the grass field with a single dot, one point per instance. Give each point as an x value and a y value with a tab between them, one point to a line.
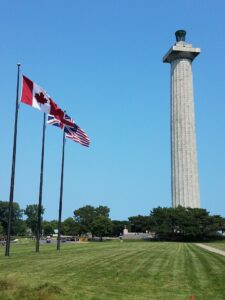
219	245
112	270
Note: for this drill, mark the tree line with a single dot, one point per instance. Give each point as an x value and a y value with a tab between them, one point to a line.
172	224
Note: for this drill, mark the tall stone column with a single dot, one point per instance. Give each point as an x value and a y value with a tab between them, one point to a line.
184	167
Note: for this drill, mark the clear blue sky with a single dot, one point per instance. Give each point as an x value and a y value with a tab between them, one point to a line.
102	62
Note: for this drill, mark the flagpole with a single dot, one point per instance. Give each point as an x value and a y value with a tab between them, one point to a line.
61	194
41	185
7	249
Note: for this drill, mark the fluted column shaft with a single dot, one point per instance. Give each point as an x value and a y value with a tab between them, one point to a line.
185	187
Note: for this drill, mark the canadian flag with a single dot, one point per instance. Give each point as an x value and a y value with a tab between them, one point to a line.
35	96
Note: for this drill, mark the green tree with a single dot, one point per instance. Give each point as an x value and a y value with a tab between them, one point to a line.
223	225
31	212
118	227
54	224
19	227
47	228
1	229
16	216
70	227
101	226
85	216
102	211
185	224
140	223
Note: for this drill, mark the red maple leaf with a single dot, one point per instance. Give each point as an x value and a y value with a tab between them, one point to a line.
41	98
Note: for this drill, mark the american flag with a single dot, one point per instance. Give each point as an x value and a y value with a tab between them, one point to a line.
71	129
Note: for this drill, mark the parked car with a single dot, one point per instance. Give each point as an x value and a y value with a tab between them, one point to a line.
48	239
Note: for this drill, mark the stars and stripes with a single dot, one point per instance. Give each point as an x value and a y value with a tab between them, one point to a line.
37	97
71	129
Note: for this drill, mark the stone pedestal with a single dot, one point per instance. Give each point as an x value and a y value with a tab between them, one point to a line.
184	168
125	231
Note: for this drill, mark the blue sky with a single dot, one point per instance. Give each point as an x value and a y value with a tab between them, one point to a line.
102	62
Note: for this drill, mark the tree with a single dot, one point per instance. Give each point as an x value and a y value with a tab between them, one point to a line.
70	227
139	223
185	224
16	216
102	211
85	216
101	226
1	229
223	225
47	228
31	212
19	227
118	227
54	224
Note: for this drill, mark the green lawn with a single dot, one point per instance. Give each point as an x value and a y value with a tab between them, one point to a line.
112	270
219	245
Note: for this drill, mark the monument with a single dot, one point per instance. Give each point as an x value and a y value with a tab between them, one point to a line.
184	166
125	230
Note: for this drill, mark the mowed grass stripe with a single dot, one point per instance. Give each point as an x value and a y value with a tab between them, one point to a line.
127	270
219	245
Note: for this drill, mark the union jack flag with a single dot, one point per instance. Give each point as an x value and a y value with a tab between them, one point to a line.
71	129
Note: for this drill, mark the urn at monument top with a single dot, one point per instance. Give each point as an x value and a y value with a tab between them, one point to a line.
184	166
